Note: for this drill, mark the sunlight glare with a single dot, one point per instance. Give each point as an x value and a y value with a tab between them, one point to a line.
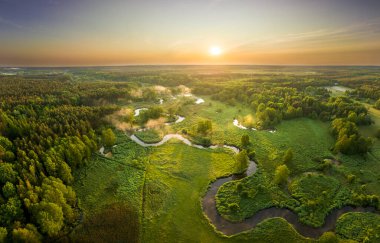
215	51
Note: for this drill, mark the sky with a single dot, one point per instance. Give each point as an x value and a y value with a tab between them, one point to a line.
133	32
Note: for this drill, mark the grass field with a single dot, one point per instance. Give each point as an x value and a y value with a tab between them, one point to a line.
110	194
163	190
306	137
149	136
177	176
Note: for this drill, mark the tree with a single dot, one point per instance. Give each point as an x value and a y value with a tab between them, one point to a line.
204	127
288	156
3	234
352	117
2	152
9	190
10	211
245	141
242	160
27	234
328	237
7	173
108	137
49	216
281	174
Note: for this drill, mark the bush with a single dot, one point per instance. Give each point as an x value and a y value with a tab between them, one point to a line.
361	227
242	160
206	142
328	237
281	174
252	155
108	137
288	156
351	178
245	194
233	207
245	141
3	234
239	187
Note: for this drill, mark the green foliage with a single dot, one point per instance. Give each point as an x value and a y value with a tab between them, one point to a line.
177	178
108	137
361	227
49	217
251	194
3	234
377	104
245	141
267	116
328	237
251	155
242	160
47	131
7	173
9	190
233	207
11	211
272	230
151	113
349	141
149	136
318	195
288	156
55	207
281	174
27	234
351	178
204	127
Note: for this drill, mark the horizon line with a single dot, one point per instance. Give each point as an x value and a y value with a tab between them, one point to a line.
157	65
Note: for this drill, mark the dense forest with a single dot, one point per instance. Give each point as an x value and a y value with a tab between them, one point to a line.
48	127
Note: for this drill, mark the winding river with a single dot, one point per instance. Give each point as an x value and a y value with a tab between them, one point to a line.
231	228
182	139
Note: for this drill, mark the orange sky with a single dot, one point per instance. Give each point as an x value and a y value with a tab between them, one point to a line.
297	32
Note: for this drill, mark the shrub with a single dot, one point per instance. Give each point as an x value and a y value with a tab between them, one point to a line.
245	194
328	237
239	187
108	137
3	234
281	174
351	178
233	207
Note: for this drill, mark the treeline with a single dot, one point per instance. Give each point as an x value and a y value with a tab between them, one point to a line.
349	141
276	101
47	130
371	91
18	90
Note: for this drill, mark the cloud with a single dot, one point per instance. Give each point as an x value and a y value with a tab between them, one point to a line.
358	33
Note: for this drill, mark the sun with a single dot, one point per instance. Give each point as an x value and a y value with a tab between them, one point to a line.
215	51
